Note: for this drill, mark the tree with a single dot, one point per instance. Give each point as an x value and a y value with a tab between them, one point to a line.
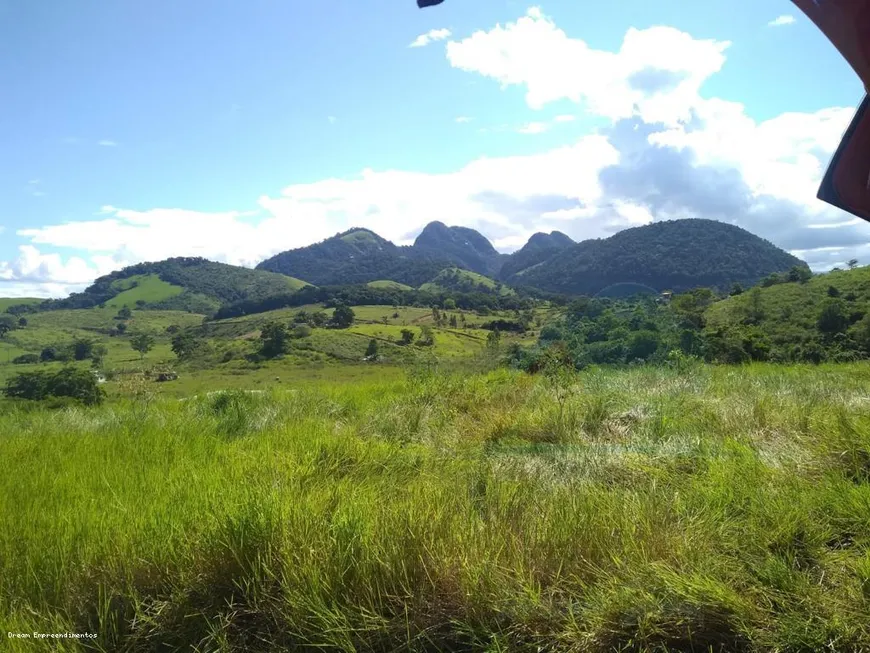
407	337
82	348
833	317
121	327
450	304
427	337
642	345
453	323
833	291
862	333
317	319
372	349
7	324
22	322
852	263
48	354
81	385
736	289
184	345
342	317
754	307
799	274
493	339
273	339
125	313
98	354
143	343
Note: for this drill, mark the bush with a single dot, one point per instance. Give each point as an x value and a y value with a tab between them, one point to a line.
25	359
82	349
301	331
80	385
273	340
342	317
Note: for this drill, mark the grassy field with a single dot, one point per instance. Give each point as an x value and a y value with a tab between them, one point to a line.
148	288
723	508
384	284
456	279
326	355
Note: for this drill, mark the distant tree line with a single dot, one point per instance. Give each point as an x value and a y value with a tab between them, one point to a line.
360	295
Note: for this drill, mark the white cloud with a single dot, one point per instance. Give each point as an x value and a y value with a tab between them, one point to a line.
463	119
534	128
107	143
785	19
656	73
430	37
332	119
564	118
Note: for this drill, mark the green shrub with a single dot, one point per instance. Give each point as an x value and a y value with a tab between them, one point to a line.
71	382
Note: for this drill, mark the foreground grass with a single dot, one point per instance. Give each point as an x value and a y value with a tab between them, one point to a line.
723	508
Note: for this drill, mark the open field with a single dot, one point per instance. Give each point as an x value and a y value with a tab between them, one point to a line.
324	355
636	509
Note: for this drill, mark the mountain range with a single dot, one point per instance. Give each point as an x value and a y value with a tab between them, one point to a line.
671	255
674	255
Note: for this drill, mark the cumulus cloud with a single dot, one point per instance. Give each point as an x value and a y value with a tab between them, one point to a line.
656	73
430	37
32	273
780	21
668	151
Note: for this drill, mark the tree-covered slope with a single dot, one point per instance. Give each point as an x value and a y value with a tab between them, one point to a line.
673	255
827	317
460	246
538	249
353	257
179	283
464	281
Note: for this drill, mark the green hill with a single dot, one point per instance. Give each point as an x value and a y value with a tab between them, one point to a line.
190	284
538	249
461	246
384	284
673	255
465	281
825	318
356	256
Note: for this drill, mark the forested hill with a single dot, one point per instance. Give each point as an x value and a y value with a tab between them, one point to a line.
353	257
193	284
460	246
538	249
672	255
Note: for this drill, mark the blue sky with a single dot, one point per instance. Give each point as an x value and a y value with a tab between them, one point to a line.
133	131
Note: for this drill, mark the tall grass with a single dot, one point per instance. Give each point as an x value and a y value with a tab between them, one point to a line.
715	509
